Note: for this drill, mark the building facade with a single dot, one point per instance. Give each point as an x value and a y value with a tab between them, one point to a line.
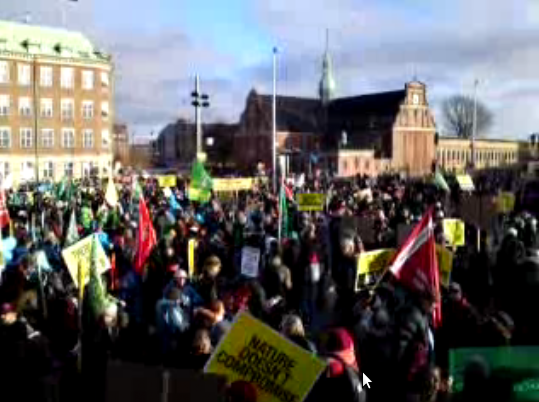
56	104
455	154
120	144
348	136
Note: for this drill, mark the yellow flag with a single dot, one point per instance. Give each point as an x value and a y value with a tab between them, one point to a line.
111	196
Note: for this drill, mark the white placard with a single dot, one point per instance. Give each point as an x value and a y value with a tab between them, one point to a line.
250	259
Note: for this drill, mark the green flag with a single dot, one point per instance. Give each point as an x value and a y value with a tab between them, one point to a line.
440	182
72	235
201	183
96	290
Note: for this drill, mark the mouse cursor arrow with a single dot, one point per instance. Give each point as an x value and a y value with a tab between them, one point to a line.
366	381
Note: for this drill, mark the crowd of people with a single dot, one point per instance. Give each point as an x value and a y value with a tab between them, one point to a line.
174	308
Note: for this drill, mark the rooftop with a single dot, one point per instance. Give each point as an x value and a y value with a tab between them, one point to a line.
46	41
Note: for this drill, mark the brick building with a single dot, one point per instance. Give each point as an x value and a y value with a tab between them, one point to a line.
361	134
55	103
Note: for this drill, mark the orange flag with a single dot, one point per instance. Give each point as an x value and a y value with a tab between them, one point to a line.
147	239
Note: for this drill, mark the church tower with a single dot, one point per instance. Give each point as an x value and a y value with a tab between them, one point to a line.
326	88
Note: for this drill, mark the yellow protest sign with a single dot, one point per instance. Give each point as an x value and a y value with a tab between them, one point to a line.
310	202
445	264
374	261
233	184
167	181
251	351
191	246
505	203
454	232
80	254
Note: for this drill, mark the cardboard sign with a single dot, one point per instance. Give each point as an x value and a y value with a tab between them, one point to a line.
167	181
454	232
505	203
515	364
465	182
235	184
250	260
445	264
279	370
80	255
308	202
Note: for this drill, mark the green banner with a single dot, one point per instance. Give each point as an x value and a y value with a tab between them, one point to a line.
518	365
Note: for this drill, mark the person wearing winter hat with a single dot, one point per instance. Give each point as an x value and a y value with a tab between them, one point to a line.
341	381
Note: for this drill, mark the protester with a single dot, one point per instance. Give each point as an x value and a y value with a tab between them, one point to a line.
170	284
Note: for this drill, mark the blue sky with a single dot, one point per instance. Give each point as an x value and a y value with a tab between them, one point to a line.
376	45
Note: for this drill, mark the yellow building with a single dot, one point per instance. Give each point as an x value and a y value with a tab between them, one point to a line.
455	154
56	99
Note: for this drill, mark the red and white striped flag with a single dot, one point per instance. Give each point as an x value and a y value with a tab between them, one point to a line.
416	265
4	213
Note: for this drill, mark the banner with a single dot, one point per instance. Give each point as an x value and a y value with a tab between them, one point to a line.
167	181
79	254
308	202
234	184
250	261
454	232
505	203
279	370
515	365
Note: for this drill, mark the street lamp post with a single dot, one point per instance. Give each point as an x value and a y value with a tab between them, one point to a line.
474	122
274	122
200	100
35	106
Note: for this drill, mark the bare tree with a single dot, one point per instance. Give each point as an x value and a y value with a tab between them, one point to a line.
458	114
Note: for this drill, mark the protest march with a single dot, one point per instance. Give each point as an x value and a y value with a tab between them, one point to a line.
180	288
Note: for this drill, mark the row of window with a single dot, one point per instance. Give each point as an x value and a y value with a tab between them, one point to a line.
454	155
47	171
67	108
26	136
46	76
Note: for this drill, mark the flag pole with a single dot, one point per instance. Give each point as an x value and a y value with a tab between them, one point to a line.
280	217
274	122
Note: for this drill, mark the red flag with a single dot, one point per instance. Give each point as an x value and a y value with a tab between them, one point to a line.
147	239
113	277
416	264
4	213
288	192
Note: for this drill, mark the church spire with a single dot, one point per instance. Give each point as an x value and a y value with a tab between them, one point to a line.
326	87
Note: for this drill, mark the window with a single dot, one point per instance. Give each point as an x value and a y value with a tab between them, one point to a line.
5	169
46	108
88	139
24	74
105	110
45	76
4	105
26	138
87	168
104	79
87	80
87	109
68	169
68	138
67	78
4	72
25	106
27	170
5	137
67	107
105	139
48	170
47	138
